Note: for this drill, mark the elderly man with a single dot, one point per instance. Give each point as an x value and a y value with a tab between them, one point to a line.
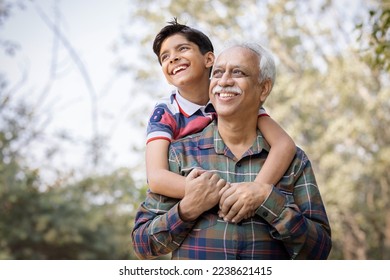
289	221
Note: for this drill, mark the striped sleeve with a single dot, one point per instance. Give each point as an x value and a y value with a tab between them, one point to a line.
162	124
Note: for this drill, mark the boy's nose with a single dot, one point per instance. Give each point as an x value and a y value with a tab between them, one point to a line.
176	58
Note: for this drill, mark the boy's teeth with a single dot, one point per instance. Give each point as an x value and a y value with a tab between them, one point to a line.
178	68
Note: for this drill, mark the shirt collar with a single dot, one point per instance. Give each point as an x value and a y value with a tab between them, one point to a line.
187	107
212	139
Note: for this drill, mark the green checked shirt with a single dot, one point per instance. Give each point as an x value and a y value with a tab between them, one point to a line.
291	223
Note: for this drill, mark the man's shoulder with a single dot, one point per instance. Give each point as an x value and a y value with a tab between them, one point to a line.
300	153
301	160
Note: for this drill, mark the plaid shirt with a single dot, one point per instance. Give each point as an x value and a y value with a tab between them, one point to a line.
290	224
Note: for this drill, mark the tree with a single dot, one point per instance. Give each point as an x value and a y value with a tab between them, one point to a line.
71	218
377	52
90	219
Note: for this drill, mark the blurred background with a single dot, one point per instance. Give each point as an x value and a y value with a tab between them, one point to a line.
78	80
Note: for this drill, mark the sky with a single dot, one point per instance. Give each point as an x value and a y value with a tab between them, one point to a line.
91	28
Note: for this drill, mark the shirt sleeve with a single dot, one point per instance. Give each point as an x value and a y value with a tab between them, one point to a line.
262	112
158	229
298	215
161	124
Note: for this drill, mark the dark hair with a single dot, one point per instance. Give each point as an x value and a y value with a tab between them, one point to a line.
191	34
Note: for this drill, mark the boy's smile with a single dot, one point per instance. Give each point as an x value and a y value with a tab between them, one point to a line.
179	68
183	65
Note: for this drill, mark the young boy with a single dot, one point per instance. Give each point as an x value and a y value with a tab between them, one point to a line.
186	56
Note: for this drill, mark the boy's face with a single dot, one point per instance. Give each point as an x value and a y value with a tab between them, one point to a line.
182	62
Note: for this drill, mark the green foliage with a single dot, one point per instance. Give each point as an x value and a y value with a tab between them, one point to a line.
88	218
377	54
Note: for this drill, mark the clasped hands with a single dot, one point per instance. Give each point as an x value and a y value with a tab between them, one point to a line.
237	201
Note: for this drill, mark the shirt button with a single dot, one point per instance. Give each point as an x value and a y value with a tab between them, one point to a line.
265	214
239	164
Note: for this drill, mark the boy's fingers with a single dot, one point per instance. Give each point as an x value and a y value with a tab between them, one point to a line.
196	172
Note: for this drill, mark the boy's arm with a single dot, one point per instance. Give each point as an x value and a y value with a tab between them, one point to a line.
160	179
281	153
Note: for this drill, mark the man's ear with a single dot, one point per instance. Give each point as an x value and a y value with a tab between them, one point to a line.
209	59
265	90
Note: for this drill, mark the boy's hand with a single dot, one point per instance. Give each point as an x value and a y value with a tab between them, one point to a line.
240	200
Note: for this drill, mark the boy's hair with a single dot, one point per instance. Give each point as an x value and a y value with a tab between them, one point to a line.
191	34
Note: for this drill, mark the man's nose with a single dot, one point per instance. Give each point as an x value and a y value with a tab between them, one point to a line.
226	80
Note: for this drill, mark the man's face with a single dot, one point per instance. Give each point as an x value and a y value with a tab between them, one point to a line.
182	62
235	89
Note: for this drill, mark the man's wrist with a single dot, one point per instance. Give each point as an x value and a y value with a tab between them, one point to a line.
186	212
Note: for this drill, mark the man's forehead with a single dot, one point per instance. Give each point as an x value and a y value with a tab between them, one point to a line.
235	56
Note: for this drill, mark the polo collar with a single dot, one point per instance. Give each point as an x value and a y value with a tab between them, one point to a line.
187	108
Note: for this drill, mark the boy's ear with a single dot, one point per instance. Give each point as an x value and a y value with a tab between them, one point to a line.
209	59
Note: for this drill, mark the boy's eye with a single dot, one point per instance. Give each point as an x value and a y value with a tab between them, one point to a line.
183	48
163	57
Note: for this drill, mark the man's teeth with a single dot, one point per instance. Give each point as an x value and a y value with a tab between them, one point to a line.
178	69
225	94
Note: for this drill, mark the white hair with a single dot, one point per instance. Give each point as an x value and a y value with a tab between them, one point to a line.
266	60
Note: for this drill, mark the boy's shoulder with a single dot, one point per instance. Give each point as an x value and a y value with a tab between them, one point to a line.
166	99
167	102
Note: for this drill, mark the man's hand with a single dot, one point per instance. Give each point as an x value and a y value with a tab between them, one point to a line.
201	193
240	200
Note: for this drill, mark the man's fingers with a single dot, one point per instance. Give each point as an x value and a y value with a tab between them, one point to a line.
228	191
242	214
233	214
226	202
223	189
221	184
238	212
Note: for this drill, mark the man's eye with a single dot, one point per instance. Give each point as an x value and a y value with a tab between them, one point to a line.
183	48
217	74
238	72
